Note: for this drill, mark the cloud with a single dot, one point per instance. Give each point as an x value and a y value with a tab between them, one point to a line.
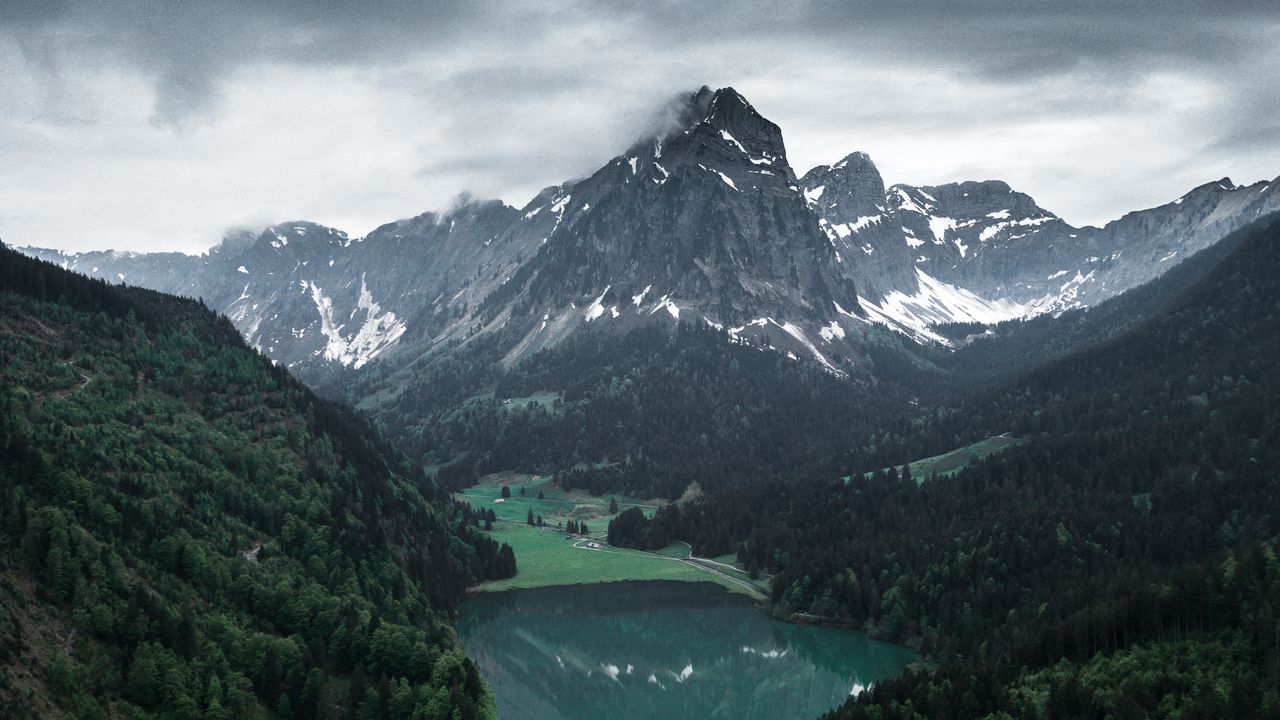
157	124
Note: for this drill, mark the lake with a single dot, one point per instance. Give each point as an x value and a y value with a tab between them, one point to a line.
659	651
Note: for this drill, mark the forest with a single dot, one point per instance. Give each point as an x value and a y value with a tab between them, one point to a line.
187	532
646	414
1121	563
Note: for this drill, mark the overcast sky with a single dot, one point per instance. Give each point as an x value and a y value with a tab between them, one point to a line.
157	125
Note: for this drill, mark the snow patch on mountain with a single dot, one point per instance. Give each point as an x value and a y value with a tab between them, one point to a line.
934	303
794	331
665	304
596	308
727	180
377	331
725	134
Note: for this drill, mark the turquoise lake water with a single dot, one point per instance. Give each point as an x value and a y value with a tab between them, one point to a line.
659	651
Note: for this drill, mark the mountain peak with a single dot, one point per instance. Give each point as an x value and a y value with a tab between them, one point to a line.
714	116
856	159
730	113
853	185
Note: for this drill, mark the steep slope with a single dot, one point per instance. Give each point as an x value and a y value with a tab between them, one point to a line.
652	412
986	356
702	222
186	531
314	299
983	252
1132	539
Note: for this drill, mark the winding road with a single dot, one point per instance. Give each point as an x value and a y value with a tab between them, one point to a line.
691	561
87	378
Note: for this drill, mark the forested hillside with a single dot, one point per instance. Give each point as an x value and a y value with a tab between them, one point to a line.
1121	563
186	532
1010	349
648	413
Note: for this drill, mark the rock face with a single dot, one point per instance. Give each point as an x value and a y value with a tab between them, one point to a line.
702	221
981	251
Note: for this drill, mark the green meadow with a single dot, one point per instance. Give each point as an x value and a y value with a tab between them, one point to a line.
950	463
546	556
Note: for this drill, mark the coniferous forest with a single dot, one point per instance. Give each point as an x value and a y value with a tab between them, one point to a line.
187	532
641	360
1121	563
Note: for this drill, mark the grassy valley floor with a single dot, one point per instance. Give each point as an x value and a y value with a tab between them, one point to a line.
548	556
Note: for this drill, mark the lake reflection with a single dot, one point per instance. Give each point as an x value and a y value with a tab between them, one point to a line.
660	650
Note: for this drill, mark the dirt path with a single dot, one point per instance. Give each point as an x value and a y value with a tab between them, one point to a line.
84	376
707	560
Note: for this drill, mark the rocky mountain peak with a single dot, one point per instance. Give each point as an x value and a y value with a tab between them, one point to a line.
712	128
294	238
735	120
849	189
969	199
703	220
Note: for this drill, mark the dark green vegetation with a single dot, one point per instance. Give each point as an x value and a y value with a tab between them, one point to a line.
950	463
1122	563
647	414
1014	348
186	532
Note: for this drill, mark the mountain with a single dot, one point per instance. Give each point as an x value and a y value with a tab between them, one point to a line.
1118	560
991	355
186	531
702	220
983	252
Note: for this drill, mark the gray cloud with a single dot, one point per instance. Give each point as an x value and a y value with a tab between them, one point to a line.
155	124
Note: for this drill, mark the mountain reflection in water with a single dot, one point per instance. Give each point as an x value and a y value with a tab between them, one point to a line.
661	650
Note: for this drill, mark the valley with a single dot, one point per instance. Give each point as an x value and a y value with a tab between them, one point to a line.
620	451
550	556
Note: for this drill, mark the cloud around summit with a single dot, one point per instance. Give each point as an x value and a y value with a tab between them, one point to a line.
155	125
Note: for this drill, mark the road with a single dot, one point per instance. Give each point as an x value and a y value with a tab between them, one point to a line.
691	561
87	379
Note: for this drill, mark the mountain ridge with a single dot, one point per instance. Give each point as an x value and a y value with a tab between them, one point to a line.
703	220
